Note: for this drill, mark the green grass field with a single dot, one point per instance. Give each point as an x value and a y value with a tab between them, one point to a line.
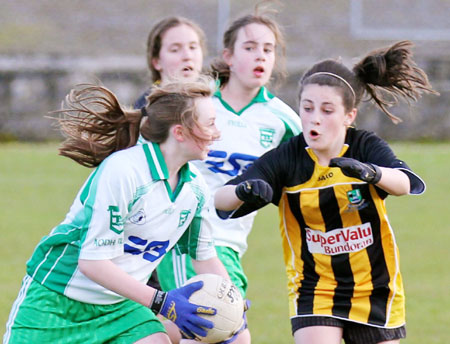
37	187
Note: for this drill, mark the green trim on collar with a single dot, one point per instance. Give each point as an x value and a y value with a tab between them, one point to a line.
159	170
161	160
155	160
263	96
185	176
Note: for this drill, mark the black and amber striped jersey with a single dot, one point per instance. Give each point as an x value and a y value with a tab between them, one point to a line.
339	248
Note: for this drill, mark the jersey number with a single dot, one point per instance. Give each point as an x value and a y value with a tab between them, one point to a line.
238	162
153	251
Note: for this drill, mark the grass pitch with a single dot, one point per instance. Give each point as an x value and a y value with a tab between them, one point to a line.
37	188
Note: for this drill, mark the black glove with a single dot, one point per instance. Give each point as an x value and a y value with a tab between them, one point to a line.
367	172
254	191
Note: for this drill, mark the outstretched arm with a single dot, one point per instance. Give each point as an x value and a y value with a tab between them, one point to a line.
391	180
254	192
394	182
226	199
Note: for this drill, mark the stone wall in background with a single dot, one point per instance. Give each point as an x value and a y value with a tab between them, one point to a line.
48	46
31	87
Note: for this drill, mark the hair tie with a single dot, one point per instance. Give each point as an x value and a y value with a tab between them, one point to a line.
144	112
337	77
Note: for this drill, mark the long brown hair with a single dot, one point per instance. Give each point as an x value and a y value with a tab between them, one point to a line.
154	40
95	124
384	75
221	70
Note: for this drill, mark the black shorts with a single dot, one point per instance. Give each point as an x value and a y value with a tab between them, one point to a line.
353	333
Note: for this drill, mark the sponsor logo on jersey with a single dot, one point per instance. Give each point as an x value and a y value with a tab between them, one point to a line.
341	240
356	200
266	136
150	251
138	218
115	219
183	217
232	164
105	242
325	177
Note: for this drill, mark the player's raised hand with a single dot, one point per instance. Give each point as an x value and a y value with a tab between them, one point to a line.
255	191
367	172
175	306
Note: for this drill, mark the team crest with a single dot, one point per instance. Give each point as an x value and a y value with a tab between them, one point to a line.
356	200
139	218
115	219
266	136
183	217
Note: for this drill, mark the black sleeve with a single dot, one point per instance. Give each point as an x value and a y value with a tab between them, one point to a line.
270	167
142	100
377	151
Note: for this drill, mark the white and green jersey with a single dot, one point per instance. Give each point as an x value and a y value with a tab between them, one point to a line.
125	212
262	125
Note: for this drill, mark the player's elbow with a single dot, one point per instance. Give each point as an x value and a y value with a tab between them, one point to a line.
401	190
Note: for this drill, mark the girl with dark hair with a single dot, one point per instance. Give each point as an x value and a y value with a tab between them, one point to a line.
86	280
330	184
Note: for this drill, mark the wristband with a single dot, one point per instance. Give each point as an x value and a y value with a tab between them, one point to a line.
158	301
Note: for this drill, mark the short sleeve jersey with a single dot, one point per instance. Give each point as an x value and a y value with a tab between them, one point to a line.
262	125
125	212
340	252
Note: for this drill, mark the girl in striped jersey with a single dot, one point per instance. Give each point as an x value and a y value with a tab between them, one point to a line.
252	121
330	184
86	280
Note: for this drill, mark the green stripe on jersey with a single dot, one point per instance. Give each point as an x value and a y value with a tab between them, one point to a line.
186	244
263	96
292	128
55	259
84	193
141	190
45	316
159	170
151	164
155	160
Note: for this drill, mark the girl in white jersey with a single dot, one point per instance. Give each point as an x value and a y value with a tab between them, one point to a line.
86	280
252	121
175	49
